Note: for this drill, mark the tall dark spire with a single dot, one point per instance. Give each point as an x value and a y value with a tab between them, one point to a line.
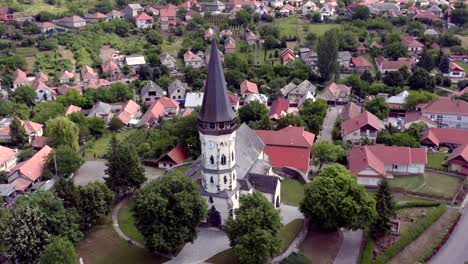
216	113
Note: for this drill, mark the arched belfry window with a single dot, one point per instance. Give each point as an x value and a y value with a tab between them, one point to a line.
211	179
211	160
223	160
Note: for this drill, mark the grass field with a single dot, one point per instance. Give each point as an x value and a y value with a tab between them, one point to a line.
464	65
34	7
127	222
435	160
295	26
97	149
171	48
292	192
464	40
431	183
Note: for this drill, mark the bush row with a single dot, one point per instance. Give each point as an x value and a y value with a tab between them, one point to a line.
366	255
412	234
417	204
440	241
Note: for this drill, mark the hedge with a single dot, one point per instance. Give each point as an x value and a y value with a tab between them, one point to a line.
417	204
366	254
414	231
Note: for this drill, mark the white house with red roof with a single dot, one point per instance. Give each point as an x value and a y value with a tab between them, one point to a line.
371	163
112	69
144	21
278	108
174	157
288	147
46	27
360	64
458	160
66	76
248	87
385	65
416	117
88	74
413	45
365	126
192	60
32	129
437	136
71	22
7	158
447	112
130	110
152	115
456	71
95	17
25	174
19	79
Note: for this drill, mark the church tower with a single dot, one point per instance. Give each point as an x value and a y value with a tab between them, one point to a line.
217	124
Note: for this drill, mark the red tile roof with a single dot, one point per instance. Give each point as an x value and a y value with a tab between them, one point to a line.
40	142
168	102
288	57
455	67
189	56
32	168
417	116
6	154
87	72
46	25
177	154
128	112
281	156
437	136
72	109
279	106
96	16
364	119
169	11
234	100
66	75
394	65
19	76
412	42
31	127
427	15
109	65
247	87
377	156
21	184
360	62
446	105
461	151
155	111
143	16
290	136
333	91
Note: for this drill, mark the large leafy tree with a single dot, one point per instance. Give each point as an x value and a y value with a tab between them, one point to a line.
73	97
47	110
59	251
66	159
395	50
24	234
289	120
422	80
94	200
124	171
167	212
313	114
334	199
252	111
394	79
385	210
426	61
418	97
327	52
327	152
378	107
18	133
254	232
62	132
186	131
25	94
68	192
59	220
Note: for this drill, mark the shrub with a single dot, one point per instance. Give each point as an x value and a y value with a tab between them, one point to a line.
366	254
412	234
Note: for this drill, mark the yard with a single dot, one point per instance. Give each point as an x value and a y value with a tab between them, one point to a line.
292	192
295	26
97	149
463	65
34	7
127	222
321	246
435	160
432	183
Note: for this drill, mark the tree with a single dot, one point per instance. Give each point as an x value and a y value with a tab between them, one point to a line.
334	199
422	80
25	155
59	220
444	64
94	200
426	61
73	97
459	17
167	212
416	129
124	171
361	12
257	223
378	107
327	52
47	110
18	133
66	159
313	113
153	37
25	95
252	111
394	79
68	192
115	124
24	236
395	50
311	39
62	132
418	97
59	251
243	18
385	210
289	120
327	152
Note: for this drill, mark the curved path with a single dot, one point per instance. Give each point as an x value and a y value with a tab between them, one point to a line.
115	222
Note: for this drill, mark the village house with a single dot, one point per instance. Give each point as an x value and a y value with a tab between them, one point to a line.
456	71
132	10
431	32
209	33
287	56
67	77
6	14
110	68
32	129
151	92
19	79
361	65
167	16
95	18
28	173
214	8
447	137
458	160
413	45
360	128
251	37
397	102
115	14
129	112
72	109
174	157
260	98
46	27
64	88
144	21
169	61
190	14
374	162
447	112
288	147
385	65
275	3
151	117
248	87
135	62
335	93
326	12
192	60
295	93
7	158
229	45
416	117
286	10
278	108
426	16
388	8
308	7
7	194
101	110
344	59
88	74
71	22
43	92
350	110
97	83
177	90
309	57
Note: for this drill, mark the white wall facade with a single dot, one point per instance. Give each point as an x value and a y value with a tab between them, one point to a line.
452	121
369	181
356	137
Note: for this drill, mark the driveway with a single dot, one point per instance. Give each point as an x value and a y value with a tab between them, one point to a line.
350	247
93	170
289	213
328	123
456	249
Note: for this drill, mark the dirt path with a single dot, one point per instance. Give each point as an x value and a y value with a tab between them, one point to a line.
412	252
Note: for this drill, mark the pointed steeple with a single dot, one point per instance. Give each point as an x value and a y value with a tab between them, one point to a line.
216	108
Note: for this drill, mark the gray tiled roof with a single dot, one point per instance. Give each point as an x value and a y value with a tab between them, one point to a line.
151	86
177	84
6	190
264	183
100	108
248	148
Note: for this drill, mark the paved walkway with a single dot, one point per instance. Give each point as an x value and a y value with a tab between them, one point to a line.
350	247
289	213
328	123
115	222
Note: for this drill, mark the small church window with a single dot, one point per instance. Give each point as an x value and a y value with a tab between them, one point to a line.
236	195
225	179
223	160
211	179
211	199
211	160
232	156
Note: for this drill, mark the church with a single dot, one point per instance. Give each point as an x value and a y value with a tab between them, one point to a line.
233	161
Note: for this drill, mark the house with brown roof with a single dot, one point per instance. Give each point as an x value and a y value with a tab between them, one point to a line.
67	76
46	27
449	137
115	14
88	74
39	142
111	68
229	45
26	174
174	157
372	163
456	71
458	160
144	21
447	112
335	93
7	158
350	110
251	37
413	45
385	65
72	109
71	22
248	87
192	60
278	108
32	129
98	83
365	126
95	17
130	110
428	16
360	64
20	79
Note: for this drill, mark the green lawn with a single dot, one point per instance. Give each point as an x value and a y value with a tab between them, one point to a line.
292	192
295	26
127	223
171	48
435	160
34	7
287	234
97	149
464	65
431	183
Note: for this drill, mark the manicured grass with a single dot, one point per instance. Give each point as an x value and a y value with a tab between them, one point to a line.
97	149
287	234
127	222
431	183
435	160
294	26
292	192
463	65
